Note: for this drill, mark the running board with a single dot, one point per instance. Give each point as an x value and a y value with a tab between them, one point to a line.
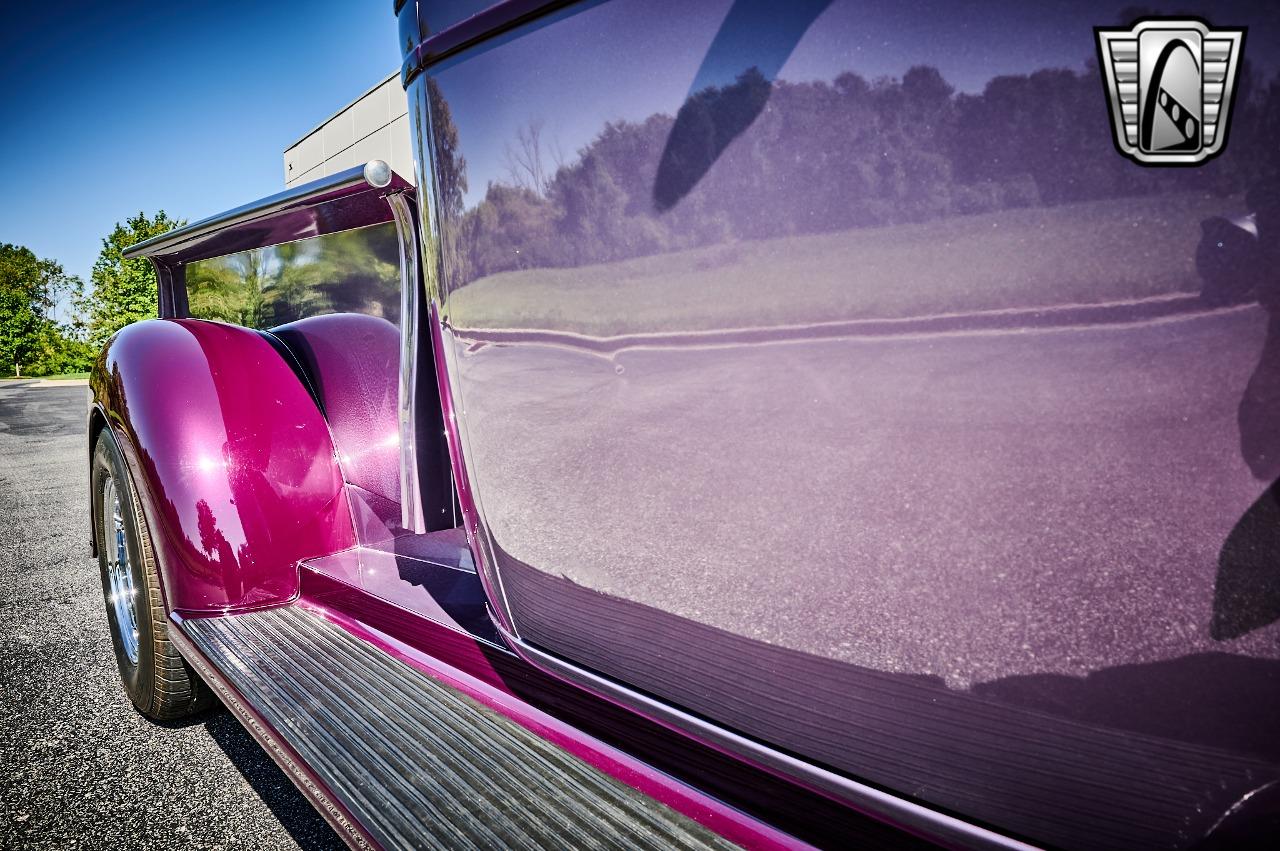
411	761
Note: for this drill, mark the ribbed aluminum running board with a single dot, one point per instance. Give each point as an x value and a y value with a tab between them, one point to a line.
416	763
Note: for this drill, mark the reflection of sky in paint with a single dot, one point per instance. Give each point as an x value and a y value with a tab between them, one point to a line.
623	55
626	67
757	33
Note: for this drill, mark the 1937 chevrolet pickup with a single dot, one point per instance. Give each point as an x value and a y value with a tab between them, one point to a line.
814	423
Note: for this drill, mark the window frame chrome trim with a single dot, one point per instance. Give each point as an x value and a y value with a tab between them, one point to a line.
411	511
361	178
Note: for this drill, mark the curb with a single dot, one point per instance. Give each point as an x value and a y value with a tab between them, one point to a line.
44	382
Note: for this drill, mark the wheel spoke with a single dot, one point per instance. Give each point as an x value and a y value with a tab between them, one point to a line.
119	572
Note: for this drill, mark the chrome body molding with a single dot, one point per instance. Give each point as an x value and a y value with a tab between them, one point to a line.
325	189
411	516
352	198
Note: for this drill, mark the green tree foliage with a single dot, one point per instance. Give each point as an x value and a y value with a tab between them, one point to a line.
124	291
351	271
450	184
31	342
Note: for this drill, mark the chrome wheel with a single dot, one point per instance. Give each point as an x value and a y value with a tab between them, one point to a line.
123	594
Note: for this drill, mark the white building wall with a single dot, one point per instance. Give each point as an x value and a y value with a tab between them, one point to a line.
373	127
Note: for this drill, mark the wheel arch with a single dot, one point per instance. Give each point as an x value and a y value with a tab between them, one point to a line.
97	422
234	464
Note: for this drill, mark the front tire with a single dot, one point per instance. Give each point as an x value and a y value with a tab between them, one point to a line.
156	677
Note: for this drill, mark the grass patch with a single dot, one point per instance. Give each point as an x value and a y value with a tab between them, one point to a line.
1085	253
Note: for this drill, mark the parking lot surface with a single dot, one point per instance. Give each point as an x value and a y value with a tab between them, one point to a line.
81	767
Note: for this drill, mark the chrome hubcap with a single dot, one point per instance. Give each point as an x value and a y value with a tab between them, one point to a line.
123	594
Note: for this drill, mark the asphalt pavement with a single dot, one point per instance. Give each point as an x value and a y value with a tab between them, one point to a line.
79	766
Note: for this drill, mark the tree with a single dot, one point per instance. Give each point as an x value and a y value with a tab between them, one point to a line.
450	179
526	164
354	271
29	289
124	291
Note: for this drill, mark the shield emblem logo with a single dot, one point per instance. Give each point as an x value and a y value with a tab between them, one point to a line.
1170	84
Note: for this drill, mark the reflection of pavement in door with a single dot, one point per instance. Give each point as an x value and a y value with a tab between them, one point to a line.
967	506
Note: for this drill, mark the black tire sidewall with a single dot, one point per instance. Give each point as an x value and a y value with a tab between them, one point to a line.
139	679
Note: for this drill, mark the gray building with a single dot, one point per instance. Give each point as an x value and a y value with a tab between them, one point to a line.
373	126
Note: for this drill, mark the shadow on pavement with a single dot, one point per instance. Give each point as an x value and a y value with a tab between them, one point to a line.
286	803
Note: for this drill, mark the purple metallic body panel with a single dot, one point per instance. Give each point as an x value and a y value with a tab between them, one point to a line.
818	395
234	462
461	479
432	576
350	360
222	416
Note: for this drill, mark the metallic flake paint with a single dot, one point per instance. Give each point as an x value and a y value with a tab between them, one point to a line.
1006	502
349	360
235	465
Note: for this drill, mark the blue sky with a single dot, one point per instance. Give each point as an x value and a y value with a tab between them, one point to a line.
116	107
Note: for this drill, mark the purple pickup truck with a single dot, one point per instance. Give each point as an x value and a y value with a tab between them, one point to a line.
836	423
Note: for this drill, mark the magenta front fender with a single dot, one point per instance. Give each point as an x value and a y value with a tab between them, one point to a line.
232	459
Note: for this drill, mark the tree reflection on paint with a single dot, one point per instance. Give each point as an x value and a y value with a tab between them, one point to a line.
821	157
869	198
